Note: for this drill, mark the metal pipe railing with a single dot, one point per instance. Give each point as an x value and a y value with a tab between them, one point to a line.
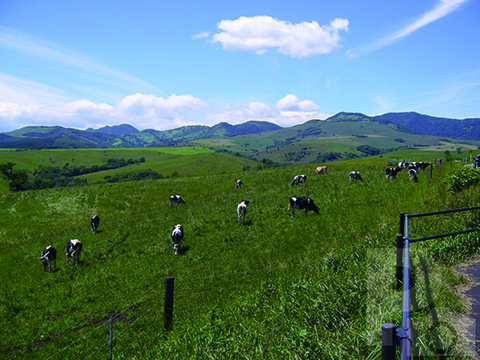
403	336
405	342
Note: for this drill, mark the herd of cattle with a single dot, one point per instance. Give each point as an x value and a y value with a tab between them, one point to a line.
413	168
74	247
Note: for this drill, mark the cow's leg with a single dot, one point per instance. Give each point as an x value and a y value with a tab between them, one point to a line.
293	211
306	211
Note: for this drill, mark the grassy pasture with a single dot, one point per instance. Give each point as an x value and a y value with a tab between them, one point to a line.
186	161
316	286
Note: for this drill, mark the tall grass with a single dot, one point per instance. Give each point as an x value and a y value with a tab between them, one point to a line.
315	286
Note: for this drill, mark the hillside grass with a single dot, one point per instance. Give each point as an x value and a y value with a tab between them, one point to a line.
315	286
183	161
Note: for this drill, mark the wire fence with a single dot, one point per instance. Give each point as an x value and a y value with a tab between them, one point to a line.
126	330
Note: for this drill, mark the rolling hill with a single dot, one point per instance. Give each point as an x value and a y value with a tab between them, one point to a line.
342	136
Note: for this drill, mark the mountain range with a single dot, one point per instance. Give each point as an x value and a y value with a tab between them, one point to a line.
342	132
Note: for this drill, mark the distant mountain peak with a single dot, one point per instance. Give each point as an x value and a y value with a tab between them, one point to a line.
118	129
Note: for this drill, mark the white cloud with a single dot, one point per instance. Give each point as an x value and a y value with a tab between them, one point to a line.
259	33
26	92
441	9
147	111
139	110
287	112
291	102
202	35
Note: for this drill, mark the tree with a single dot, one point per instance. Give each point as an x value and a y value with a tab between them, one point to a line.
7	169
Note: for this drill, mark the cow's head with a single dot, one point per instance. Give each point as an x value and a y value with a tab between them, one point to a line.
176	248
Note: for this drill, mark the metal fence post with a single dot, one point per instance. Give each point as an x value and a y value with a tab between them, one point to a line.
399	266
401	228
168	305
399	240
389	341
111	338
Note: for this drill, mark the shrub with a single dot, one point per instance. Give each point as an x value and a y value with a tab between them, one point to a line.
462	179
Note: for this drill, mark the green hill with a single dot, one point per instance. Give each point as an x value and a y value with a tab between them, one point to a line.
342	136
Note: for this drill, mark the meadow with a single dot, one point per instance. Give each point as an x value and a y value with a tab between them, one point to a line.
314	286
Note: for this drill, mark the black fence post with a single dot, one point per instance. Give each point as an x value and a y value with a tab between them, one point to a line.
389	341
168	305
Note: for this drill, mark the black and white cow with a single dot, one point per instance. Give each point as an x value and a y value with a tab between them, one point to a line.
94	222
413	175
476	162
177	237
239	184
354	176
391	173
423	165
413	165
74	250
299	179
302	203
49	258
242	211
176	199
403	164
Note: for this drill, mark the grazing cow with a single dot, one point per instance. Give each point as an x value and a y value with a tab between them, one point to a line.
299	179
49	257
476	162
177	237
242	211
94	222
176	199
74	250
403	165
239	184
355	175
302	203
321	170
391	173
413	175
422	165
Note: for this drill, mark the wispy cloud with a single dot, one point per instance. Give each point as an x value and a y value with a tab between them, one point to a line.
440	9
260	33
26	92
34	46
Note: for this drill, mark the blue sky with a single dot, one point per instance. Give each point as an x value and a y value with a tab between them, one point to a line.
165	64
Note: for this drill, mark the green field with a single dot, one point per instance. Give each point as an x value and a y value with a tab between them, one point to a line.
315	286
184	161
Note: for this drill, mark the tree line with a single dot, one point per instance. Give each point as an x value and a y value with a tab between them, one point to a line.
45	177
